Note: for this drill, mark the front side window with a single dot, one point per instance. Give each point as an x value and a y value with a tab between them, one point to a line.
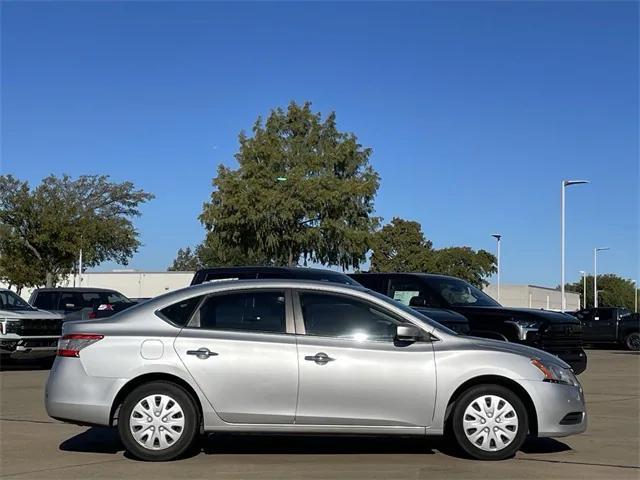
329	315
246	311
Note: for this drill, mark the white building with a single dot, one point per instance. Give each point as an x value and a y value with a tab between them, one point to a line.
533	296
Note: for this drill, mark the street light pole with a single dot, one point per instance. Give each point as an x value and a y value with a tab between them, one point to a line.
635	294
584	288
595	274
497	236
565	183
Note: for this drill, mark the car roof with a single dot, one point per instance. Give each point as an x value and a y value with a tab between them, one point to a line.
259	268
74	289
413	274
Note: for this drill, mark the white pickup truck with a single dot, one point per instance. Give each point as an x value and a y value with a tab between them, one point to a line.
26	332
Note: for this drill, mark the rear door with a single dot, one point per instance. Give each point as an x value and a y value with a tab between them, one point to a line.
240	349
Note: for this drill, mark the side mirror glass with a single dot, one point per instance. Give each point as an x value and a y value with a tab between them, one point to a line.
407	332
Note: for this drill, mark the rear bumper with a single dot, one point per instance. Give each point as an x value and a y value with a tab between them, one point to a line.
75	397
560	409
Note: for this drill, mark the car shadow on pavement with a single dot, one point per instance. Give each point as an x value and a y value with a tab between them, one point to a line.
94	440
105	440
544	445
8	365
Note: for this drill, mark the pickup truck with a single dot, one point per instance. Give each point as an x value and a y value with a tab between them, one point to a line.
438	295
26	332
609	325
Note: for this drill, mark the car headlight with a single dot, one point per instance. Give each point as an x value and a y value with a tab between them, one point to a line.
555	373
528	323
9	325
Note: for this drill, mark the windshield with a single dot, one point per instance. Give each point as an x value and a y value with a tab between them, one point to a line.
412	312
12	301
458	293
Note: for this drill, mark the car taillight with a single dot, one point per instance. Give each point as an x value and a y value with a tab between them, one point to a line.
70	345
92	315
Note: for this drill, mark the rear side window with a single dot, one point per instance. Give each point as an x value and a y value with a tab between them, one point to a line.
46	300
247	311
180	313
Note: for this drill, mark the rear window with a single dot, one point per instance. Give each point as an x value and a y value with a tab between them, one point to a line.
46	300
180	313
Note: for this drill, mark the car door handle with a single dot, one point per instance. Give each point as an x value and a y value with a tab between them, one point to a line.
320	358
202	353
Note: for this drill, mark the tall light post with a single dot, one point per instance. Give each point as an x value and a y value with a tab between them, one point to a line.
565	184
635	295
497	236
595	274
584	288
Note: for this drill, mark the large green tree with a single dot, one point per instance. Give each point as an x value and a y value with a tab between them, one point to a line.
401	246
614	291
43	229
303	191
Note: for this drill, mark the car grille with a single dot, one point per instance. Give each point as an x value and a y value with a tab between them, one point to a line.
561	335
35	327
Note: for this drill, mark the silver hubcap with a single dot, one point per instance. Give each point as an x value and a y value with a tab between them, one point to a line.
157	422
490	423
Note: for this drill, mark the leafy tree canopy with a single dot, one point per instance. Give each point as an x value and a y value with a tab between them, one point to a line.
303	190
401	246
614	291
43	229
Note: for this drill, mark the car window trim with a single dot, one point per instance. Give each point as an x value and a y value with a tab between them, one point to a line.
288	314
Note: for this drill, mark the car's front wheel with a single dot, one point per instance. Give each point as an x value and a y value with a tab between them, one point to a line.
158	421
489	422
632	341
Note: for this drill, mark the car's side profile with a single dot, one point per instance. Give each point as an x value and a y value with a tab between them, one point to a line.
298	356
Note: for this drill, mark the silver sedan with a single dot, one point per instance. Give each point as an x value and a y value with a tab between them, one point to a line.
308	357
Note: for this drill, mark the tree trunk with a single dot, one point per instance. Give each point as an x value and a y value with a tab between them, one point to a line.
49	280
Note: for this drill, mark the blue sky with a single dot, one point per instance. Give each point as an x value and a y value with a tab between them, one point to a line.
475	111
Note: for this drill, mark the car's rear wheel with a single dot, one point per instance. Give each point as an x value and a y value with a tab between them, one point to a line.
489	422
158	421
632	341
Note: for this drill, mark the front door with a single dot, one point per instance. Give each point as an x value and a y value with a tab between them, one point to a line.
598	325
352	372
238	349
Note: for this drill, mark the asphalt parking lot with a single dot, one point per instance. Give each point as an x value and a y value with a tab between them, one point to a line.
34	446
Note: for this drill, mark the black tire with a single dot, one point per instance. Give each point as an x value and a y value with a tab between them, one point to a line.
475	451
187	434
632	341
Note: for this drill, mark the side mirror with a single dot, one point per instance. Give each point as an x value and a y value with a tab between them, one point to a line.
418	302
407	332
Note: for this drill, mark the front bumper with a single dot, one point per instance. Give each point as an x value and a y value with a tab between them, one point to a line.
18	347
560	409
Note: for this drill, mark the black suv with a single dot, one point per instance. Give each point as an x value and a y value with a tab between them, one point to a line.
245	273
80	303
439	295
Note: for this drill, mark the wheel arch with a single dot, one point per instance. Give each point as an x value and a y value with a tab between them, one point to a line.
512	385
147	378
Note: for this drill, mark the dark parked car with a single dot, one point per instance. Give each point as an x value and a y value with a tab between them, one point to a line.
436	295
610	325
80	303
246	273
448	318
